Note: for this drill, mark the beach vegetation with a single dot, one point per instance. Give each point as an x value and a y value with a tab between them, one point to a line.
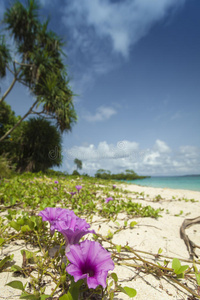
128	175
47	215
179	270
76	173
179	214
187	200
157	198
6	167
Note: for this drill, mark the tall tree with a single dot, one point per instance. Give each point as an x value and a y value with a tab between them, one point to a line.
7	121
40	67
78	163
33	141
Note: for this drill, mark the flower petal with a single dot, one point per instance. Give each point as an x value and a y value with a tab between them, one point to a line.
94	263
75	256
92	282
75	271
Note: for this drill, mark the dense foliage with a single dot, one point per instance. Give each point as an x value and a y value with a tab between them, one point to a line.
35	145
38	146
128	175
7	121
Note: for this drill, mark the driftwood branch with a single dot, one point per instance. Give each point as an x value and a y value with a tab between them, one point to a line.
190	245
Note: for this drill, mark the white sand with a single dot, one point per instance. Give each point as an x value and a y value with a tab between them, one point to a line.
148	235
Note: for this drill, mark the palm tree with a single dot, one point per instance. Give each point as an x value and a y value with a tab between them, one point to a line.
41	67
78	163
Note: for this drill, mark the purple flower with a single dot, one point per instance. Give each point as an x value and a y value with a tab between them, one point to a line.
114	186
56	181
78	187
54	214
73	229
73	193
91	261
55	189
108	199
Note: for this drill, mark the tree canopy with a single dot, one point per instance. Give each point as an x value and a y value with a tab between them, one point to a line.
40	65
128	175
78	163
33	142
30	146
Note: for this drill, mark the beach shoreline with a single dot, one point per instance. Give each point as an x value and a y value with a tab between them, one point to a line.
164	192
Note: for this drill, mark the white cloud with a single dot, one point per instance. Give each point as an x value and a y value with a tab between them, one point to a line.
158	160
102	113
123	23
161	147
101	33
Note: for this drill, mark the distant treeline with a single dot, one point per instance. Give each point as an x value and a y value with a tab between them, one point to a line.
128	175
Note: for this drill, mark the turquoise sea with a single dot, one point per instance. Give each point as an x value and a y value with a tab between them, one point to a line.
172	182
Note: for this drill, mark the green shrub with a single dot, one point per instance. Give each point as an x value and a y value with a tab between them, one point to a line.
6	169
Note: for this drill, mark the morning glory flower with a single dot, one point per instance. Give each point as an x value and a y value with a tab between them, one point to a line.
54	214
73	229
108	199
73	193
56	181
78	187
91	261
114	186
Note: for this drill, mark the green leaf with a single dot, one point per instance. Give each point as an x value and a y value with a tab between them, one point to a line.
182	269
178	269
12	201
130	292
20	221
176	264
5	260
14	225
197	278
30	297
16	268
109	286
43	297
114	276
67	296
1	241
111	296
30	224
16	284
74	289
118	247
160	251
133	223
25	228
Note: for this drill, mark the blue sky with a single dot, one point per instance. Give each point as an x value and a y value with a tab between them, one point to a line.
135	66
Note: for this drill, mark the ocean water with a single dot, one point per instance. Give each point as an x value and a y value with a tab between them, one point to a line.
172	182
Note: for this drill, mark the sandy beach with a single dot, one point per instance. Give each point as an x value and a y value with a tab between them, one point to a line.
147	235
